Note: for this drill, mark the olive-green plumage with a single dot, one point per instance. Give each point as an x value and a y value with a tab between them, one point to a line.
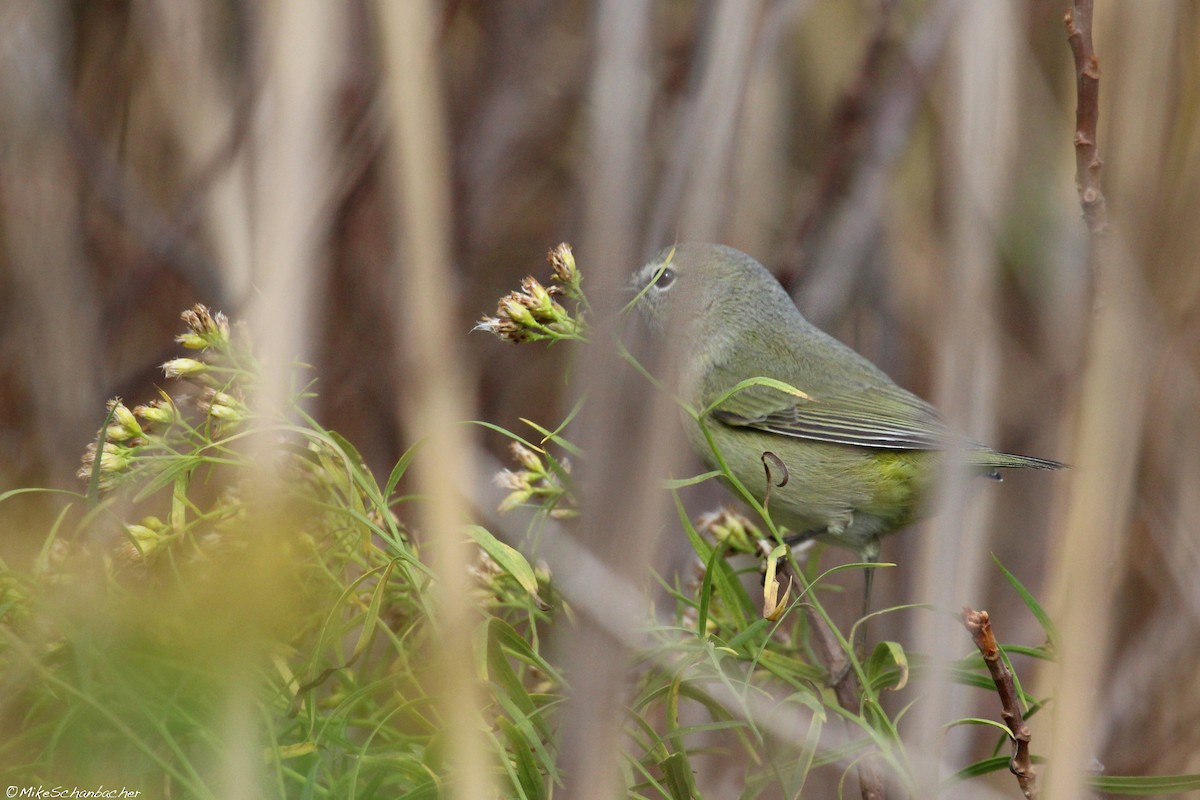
859	452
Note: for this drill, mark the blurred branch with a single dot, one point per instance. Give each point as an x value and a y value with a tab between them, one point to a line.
849	121
622	507
48	351
163	236
693	199
837	237
438	404
1108	443
1020	764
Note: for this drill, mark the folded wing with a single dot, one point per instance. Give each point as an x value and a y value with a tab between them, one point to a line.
884	417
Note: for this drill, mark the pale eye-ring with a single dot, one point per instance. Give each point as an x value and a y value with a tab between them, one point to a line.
665	279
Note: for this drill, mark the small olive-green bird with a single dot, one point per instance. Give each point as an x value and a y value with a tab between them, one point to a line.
853	453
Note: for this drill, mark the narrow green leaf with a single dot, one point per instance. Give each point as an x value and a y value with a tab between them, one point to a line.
174	467
367	631
517	646
742	386
1145	784
680	483
1034	606
980	721
983	767
552	436
399	470
887	668
749	632
737	601
93	492
346	447
677	772
509	559
529	777
501	673
706	589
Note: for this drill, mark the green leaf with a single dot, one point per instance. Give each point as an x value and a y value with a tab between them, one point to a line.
518	647
367	631
748	633
887	668
1145	784
797	673
980	721
1025	650
501	673
552	436
509	559
176	466
677	772
491	426
984	767
36	489
350	450
718	554
726	582
680	483
529	778
1034	606
741	386
399	470
93	492
512	695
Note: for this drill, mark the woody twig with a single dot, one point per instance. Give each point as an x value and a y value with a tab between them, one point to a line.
1020	763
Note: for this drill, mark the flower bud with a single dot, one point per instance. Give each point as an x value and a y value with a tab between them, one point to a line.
160	412
526	458
122	426
183	367
562	261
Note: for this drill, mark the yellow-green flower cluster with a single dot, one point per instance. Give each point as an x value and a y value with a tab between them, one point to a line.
162	412
222	406
533	314
115	452
115	460
206	330
731	528
142	540
535	481
562	261
128	433
222	398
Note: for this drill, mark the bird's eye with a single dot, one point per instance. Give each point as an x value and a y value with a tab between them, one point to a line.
665	279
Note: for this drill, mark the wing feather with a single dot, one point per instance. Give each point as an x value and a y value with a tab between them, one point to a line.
887	417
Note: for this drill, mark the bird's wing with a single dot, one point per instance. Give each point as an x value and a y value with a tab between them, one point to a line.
874	416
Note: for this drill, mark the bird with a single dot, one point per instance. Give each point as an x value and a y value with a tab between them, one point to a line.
845	455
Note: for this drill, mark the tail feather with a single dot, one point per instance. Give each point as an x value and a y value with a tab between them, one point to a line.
992	459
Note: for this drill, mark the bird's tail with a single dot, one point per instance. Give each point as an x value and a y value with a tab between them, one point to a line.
992	459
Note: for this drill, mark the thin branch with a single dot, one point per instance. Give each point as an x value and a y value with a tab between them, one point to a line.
1020	764
1087	114
1097	514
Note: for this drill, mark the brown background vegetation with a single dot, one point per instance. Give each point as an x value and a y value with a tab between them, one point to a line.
907	170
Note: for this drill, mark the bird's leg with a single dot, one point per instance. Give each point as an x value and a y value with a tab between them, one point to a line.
870	555
794	540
